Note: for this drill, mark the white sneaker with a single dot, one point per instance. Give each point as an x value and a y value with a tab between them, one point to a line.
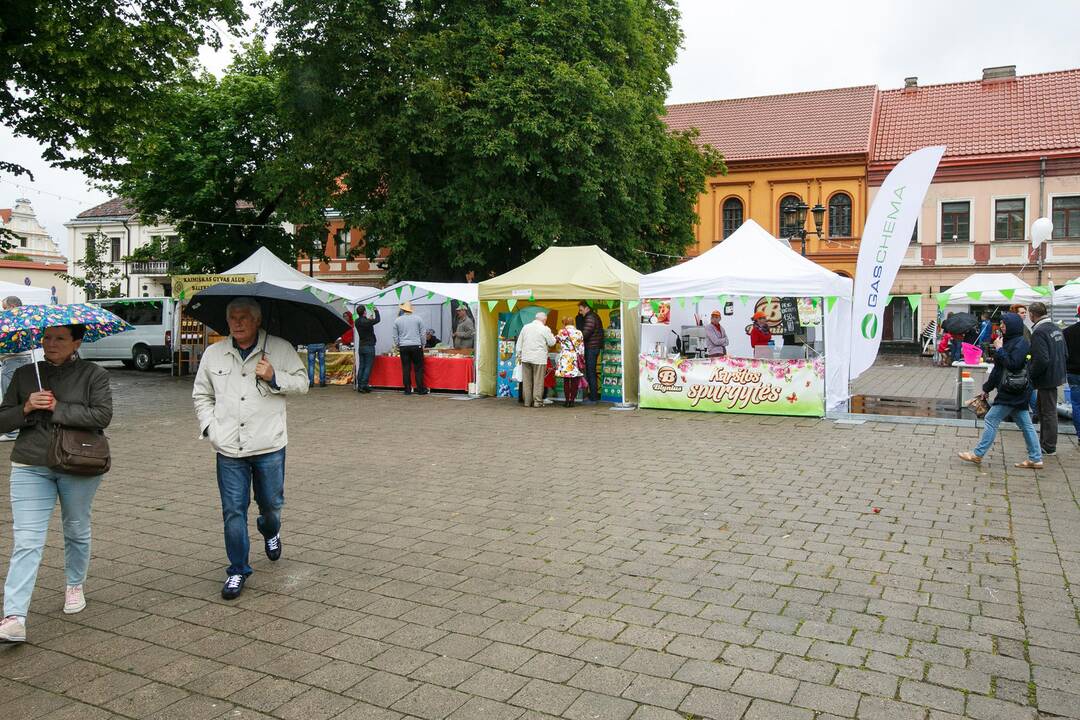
13	629
74	600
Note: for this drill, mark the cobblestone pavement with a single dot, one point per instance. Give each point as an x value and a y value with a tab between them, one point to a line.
476	560
910	376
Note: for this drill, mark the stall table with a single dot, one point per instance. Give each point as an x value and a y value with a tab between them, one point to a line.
440	373
339	367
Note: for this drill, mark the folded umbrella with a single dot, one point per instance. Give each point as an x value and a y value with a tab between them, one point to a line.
296	316
959	323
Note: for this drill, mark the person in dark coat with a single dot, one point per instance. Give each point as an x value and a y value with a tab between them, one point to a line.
592	330
365	346
1048	359
1010	355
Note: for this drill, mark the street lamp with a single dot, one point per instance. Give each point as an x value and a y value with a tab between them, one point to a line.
795	214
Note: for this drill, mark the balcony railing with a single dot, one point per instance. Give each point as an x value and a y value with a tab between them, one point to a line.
150	267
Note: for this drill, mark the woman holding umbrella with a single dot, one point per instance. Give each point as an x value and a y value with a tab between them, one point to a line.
62	391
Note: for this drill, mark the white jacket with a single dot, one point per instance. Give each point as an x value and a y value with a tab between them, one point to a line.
239	414
533	343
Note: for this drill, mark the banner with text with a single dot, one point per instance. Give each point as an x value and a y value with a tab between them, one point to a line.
184	286
885	240
733	385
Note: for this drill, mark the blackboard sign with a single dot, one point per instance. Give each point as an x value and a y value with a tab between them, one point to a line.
789	315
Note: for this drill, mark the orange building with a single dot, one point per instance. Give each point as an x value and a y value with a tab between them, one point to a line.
810	148
340	267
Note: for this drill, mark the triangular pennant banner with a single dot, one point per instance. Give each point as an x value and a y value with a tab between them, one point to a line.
511	304
942	300
722	299
744	299
1042	290
697	299
632	304
383	293
1008	294
532	298
431	294
398	290
611	303
975	294
655	304
682	302
412	289
830	300
814	302
491	304
370	307
914	300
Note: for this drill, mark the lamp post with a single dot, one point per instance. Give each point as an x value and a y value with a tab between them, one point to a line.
796	215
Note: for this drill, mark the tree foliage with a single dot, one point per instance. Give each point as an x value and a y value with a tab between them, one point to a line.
214	165
100	276
472	134
76	75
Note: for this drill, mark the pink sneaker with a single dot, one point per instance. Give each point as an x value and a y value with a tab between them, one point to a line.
74	601
13	629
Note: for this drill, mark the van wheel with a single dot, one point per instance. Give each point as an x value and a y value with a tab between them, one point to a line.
142	359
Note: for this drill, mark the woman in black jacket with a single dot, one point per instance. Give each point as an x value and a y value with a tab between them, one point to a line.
1010	356
74	393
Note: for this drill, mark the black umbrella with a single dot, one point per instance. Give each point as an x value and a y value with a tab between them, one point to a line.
959	323
294	315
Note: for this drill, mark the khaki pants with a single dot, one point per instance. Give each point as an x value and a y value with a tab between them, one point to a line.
532	383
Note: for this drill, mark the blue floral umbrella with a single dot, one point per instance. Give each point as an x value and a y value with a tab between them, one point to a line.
22	328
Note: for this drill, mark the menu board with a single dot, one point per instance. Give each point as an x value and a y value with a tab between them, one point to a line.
789	315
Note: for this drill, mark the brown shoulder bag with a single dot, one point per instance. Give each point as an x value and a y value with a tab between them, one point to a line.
78	451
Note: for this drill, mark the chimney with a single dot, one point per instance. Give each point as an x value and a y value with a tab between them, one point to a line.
1002	72
911	83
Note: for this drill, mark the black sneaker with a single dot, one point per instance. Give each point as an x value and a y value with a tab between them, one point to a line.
232	587
273	547
422	392
1049	452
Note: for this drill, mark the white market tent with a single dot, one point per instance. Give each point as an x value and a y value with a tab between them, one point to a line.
751	261
27	293
985	289
1068	294
269	268
429	301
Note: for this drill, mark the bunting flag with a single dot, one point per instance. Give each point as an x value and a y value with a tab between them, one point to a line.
915	299
655	304
491	305
611	303
532	298
722	299
1042	290
744	299
431	294
682	302
370	307
975	294
942	300
1008	294
383	293
398	290
697	299
511	304
412	289
830	300
814	302
630	305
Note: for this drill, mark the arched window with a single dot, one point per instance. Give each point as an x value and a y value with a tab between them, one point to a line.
787	229
840	215
733	215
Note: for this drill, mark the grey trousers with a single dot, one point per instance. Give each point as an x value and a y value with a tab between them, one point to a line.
532	383
1048	419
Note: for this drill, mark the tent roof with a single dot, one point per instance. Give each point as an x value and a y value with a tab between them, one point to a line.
26	293
464	292
990	285
565	273
1069	293
749	261
268	267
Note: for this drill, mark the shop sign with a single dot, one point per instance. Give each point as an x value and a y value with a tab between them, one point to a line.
184	286
521	293
733	385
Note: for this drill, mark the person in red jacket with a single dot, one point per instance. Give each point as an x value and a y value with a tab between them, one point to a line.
347	337
759	331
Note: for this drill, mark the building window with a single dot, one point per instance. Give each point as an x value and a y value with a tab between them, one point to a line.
840	215
341	245
1066	217
114	249
955	221
733	215
788	229
1009	220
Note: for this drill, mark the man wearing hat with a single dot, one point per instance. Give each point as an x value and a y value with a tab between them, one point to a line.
716	341
409	339
760	335
1072	370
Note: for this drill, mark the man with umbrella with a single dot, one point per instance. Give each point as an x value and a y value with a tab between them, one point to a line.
239	398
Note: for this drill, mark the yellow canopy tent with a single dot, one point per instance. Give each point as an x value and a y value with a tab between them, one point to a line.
558	278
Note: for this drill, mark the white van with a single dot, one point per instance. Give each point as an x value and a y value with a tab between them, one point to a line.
149	344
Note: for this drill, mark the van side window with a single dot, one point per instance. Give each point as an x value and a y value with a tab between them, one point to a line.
136	313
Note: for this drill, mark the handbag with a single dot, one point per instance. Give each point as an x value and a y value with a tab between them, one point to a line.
78	451
1015	382
978	405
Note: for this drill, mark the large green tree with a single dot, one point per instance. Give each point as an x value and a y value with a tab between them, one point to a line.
472	134
75	75
215	164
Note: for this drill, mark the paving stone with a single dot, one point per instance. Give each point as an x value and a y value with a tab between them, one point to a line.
763	685
826	699
657	691
314	704
766	710
381	688
867	681
545	697
603	680
876	708
479	708
716	704
984	708
932	696
431	702
592	706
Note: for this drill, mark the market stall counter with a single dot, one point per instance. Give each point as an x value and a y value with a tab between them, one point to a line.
339	366
443	370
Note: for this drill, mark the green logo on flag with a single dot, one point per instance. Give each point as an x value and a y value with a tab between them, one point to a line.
869	326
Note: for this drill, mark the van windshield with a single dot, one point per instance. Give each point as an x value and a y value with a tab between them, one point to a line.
136	313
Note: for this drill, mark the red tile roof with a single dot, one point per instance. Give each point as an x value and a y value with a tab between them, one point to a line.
114	207
1026	114
808	124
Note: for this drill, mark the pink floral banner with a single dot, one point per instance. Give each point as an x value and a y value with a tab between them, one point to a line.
734	385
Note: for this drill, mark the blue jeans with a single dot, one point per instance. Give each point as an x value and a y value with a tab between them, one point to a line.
34	491
1022	417
592	356
1074	392
236	477
316	353
365	360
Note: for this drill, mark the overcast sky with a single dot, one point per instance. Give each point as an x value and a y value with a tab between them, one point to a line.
759	48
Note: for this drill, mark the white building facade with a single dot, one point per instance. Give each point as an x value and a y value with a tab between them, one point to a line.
34	258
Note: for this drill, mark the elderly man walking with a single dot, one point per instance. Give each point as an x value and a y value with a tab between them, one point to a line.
11	363
409	339
1047	372
532	350
240	402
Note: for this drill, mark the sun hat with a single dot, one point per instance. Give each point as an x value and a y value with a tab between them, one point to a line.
406	306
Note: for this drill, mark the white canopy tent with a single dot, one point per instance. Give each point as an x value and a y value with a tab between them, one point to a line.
751	261
27	293
985	289
269	268
1068	294
429	301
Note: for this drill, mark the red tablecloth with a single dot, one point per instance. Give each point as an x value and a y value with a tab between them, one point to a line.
440	373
